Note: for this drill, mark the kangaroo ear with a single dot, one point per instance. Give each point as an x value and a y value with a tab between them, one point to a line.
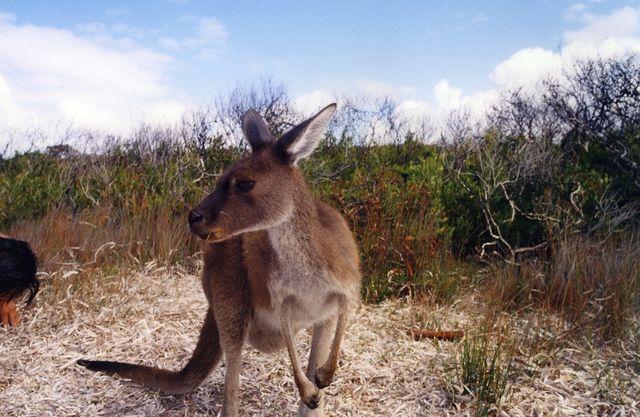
301	140
255	130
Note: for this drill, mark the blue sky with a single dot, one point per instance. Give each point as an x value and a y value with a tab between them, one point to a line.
109	64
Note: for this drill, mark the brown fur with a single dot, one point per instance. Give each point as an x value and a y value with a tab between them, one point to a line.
276	261
9	313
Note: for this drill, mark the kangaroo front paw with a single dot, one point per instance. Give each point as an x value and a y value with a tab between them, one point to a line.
312	398
323	377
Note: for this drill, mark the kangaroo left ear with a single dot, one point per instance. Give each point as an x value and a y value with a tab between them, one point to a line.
300	141
255	130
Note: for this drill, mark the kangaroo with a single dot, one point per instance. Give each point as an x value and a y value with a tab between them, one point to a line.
276	260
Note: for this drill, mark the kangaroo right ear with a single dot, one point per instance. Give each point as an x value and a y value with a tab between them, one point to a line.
255	130
300	141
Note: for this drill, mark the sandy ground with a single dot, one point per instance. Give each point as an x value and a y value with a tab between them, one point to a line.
153	316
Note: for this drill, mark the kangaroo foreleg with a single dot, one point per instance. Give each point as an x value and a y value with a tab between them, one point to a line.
324	374
205	357
320	345
309	393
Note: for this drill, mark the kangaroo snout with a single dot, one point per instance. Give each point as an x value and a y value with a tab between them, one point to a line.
196	224
203	229
195	217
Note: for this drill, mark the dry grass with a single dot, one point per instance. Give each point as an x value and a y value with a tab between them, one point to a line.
103	237
153	315
594	285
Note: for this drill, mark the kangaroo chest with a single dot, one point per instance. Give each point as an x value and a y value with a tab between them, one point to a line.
288	284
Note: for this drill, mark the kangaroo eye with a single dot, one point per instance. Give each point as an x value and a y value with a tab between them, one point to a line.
244	186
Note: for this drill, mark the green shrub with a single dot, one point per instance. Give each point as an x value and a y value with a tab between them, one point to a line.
482	370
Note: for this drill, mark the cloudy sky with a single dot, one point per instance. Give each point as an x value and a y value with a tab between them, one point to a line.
108	65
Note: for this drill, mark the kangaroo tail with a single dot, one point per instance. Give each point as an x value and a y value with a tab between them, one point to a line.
205	357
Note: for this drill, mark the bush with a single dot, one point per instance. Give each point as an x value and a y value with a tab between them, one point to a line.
482	370
391	197
594	285
544	169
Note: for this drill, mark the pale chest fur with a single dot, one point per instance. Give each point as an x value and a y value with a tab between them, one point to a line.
298	285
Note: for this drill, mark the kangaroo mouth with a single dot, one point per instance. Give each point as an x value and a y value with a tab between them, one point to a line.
216	234
209	234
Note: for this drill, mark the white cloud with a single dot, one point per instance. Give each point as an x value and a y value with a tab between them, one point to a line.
48	75
169	43
7	105
446	96
361	89
415	108
619	24
379	89
307	103
606	35
419	115
207	42
574	11
211	29
478	103
526	67
577	7
99	77
601	36
6	17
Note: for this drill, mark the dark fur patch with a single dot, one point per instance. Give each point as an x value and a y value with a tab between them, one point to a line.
108	367
18	267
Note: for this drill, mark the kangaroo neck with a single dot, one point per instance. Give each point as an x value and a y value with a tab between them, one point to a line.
294	237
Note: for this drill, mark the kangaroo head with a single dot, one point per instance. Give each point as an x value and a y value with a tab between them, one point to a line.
260	190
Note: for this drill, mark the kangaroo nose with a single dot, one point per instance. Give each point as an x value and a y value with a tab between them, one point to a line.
195	217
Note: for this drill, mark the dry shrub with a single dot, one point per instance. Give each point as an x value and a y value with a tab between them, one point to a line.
398	228
101	238
594	285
